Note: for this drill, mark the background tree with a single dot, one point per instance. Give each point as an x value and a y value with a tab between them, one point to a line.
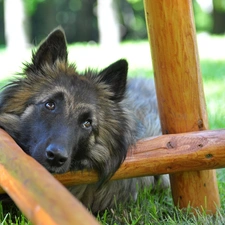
75	16
108	24
203	15
91	20
16	23
218	16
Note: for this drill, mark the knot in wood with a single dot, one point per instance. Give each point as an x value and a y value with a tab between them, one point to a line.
200	124
209	156
169	145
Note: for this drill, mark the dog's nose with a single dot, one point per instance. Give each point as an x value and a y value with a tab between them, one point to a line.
56	155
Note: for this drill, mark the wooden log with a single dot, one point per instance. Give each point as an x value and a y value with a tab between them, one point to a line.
35	191
172	153
180	94
163	154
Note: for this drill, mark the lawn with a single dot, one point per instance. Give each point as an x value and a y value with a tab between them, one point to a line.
151	207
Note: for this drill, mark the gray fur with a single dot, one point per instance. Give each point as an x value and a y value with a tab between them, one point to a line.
141	105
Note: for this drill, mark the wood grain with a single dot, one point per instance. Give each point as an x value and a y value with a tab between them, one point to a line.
35	191
180	93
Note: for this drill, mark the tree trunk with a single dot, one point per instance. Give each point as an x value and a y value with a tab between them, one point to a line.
218	17
108	24
16	21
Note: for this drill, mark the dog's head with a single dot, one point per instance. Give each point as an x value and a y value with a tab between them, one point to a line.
65	120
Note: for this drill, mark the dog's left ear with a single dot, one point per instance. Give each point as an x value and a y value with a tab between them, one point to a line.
115	76
52	48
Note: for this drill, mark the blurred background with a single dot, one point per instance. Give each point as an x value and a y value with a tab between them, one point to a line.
102	31
89	20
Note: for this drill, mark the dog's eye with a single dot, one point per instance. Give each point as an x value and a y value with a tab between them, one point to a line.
50	105
87	124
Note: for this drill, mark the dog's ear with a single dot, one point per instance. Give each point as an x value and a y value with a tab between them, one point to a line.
115	76
52	48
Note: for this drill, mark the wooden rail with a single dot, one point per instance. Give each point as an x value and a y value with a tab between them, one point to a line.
164	154
35	191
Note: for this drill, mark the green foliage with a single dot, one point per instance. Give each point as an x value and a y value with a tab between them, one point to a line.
203	20
134	1
219	5
31	5
133	19
136	4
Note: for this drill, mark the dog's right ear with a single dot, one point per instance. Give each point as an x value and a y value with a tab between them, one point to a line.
52	48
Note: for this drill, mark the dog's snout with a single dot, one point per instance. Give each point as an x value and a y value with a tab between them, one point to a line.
56	155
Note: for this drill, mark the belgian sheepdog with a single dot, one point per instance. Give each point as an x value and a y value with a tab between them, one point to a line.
69	121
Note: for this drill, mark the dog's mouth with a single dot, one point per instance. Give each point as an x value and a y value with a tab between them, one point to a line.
57	170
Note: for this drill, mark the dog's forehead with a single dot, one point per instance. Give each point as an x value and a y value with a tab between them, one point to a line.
77	98
74	89
76	95
77	88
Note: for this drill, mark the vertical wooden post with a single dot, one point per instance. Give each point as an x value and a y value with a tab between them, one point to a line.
171	30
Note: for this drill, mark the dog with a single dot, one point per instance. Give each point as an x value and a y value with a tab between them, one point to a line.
69	121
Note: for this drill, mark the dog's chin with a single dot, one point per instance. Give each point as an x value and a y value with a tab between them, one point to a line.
57	170
54	169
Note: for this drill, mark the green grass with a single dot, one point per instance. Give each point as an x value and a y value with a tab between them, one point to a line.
214	84
10	215
150	207
156	208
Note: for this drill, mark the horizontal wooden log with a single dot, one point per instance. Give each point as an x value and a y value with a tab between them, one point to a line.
35	191
161	155
164	154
